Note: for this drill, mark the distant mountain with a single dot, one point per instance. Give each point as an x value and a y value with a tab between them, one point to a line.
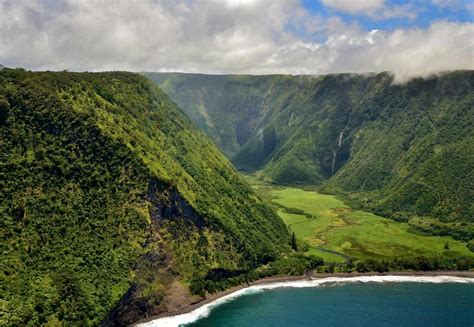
111	198
406	151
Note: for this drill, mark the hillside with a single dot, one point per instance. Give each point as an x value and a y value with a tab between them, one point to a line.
108	193
226	107
404	151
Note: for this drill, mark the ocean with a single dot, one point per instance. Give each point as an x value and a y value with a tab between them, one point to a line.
356	301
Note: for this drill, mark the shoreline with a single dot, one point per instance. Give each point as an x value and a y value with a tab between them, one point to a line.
311	275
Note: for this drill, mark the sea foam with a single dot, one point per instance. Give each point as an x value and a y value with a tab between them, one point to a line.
205	310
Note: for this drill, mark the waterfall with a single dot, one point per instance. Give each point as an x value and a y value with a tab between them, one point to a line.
334	153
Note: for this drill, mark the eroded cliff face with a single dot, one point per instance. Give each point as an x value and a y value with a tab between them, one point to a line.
157	288
166	203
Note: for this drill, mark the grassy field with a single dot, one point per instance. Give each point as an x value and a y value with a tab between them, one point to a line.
335	232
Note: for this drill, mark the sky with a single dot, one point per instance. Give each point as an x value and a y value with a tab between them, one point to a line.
408	38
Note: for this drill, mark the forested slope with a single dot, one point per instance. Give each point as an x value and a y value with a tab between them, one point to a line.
406	151
108	192
226	107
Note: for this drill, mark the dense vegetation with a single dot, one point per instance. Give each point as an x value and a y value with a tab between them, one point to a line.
404	151
421	263
295	264
105	187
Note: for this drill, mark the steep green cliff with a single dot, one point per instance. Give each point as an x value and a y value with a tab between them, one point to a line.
406	151
109	193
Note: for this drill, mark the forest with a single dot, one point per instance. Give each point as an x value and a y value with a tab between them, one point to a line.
106	188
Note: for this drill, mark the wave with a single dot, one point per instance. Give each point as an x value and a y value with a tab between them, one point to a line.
205	310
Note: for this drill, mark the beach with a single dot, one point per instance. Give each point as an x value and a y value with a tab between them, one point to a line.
192	311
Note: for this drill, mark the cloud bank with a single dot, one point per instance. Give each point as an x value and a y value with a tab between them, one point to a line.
217	36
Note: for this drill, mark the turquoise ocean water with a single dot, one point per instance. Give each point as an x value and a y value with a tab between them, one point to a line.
359	304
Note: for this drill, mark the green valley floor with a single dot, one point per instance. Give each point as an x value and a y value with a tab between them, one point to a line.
334	231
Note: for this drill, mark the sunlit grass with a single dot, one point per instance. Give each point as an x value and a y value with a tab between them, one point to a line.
335	227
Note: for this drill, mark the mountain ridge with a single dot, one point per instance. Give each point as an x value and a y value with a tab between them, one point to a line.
361	135
110	195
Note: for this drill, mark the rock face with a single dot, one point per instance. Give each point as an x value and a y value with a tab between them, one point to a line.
394	148
110	196
166	205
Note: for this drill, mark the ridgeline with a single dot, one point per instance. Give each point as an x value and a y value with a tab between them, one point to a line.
110	197
402	151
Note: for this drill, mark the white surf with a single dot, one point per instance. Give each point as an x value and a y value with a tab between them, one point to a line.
205	310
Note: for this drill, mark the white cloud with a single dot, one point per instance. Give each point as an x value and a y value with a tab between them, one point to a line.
414	52
355	6
445	3
455	5
211	36
376	9
407	10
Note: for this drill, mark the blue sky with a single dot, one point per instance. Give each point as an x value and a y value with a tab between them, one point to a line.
426	12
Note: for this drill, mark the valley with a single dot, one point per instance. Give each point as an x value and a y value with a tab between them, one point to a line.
244	163
117	206
402	151
334	231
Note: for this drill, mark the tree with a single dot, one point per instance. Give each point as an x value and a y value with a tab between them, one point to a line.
294	246
361	266
332	267
198	286
464	263
350	265
4	108
315	261
470	245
